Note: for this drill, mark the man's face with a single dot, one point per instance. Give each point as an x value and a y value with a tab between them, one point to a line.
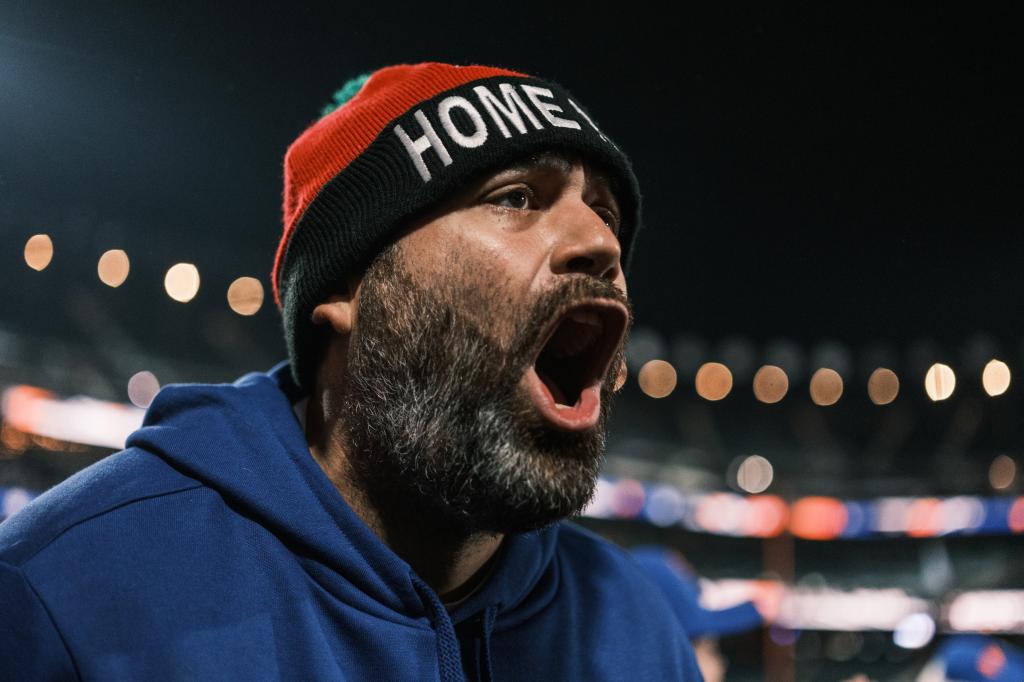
485	348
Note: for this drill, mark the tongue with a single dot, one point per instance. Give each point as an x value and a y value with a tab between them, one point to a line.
556	392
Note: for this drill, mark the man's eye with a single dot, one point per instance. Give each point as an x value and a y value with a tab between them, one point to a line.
517	198
610	219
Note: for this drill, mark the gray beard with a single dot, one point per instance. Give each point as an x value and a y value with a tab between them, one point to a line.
435	418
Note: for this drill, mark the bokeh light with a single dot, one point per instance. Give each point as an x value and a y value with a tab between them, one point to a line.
245	295
817	518
891	514
657	378
142	388
883	386
770	384
995	378
754	474
628	497
924	517
721	513
988	610
914	631
713	381
939	382
991	661
14	500
665	505
962	513
826	387
1002	472
38	251
766	516
113	267
1015	517
182	282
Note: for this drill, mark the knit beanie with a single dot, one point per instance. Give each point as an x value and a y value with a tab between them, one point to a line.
401	140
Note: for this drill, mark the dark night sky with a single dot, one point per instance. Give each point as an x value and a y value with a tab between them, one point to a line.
812	173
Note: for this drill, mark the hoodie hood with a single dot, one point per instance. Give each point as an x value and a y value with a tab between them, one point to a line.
244	440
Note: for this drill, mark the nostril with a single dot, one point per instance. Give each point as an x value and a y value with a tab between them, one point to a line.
580	264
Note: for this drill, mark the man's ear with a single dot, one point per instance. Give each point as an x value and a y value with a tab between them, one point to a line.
339	310
336	311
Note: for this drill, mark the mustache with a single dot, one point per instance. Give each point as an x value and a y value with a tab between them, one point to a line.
567	292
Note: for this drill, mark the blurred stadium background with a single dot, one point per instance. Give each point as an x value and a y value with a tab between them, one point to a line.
824	395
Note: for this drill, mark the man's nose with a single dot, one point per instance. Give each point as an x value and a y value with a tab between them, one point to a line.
585	243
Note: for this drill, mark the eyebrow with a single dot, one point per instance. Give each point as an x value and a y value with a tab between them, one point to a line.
563	163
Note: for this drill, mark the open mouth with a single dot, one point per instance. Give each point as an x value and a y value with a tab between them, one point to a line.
572	361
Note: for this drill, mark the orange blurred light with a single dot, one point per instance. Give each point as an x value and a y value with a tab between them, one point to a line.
995	378
713	381
113	268
826	387
657	378
1015	518
765	516
991	661
38	251
770	384
883	386
23	406
245	295
924	519
1002	472
817	518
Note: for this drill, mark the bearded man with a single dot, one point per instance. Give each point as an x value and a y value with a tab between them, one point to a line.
390	502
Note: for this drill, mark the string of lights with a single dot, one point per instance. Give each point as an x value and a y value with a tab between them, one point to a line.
808	518
181	282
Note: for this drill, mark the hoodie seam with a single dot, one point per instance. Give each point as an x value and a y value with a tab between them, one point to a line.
53	622
263	396
303	557
317	472
106	511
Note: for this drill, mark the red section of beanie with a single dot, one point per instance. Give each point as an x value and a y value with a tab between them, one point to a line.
333	142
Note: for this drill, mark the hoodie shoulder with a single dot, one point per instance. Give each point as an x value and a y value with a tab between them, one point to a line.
588	546
610	573
124	477
626	616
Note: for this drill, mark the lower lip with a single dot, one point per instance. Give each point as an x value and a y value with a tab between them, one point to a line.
580	417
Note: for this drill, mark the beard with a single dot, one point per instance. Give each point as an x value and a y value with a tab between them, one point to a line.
436	417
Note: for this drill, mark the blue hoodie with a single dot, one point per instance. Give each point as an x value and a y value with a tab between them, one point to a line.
214	547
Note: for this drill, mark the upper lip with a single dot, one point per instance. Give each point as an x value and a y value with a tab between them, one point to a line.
614	318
